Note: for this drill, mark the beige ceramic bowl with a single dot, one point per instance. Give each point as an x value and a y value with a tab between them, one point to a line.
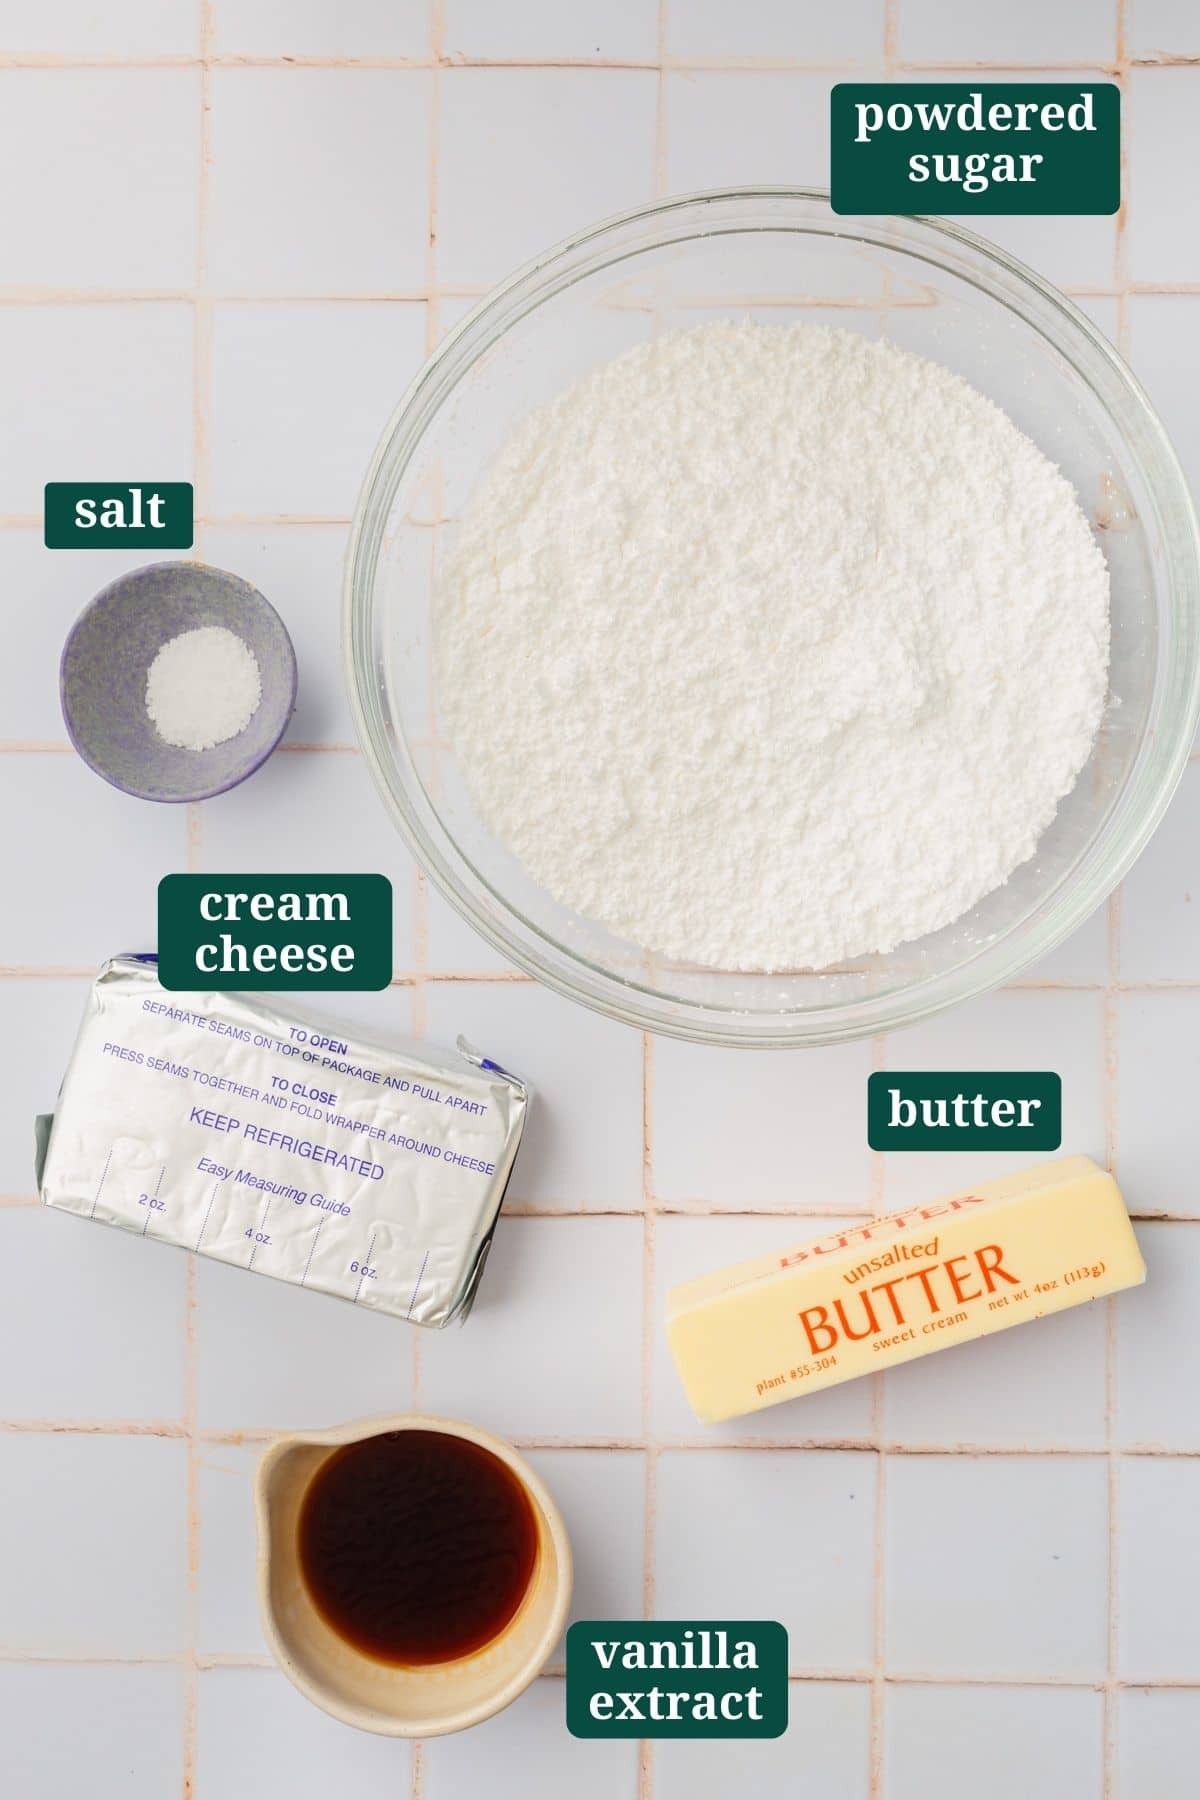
424	1702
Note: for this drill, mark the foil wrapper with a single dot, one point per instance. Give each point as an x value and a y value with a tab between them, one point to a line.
293	1147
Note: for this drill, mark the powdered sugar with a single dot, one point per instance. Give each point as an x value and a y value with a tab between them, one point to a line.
769	647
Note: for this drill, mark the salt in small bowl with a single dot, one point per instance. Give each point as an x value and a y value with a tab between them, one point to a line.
106	658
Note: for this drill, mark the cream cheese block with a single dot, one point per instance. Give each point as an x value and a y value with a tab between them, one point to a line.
923	1279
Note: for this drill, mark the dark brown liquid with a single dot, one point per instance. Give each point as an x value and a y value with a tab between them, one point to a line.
417	1547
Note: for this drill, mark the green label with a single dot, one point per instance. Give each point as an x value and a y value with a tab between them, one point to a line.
99	515
274	931
919	1110
671	1678
1002	147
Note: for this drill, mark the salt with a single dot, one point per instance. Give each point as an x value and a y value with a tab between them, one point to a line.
202	688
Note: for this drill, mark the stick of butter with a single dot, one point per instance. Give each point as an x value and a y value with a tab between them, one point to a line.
882	1293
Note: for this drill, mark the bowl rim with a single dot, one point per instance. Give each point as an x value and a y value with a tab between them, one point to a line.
1061	911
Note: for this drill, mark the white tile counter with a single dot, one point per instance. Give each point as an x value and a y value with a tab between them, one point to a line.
229	232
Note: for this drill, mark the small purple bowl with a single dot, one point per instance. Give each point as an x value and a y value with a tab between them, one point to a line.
105	660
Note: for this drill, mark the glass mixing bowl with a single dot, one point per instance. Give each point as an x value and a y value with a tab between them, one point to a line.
778	254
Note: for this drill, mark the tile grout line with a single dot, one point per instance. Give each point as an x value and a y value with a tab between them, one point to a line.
293	747
331	747
645	1760
74	296
687	65
1111	1074
660	104
517	977
421	915
433	294
684	65
201	379
432	333
645	1781
1112	1019
201	362
859	1445
878	1201
1121	283
849	1677
551	1212
191	1665
877	1198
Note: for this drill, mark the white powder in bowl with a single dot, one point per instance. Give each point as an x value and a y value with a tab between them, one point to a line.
202	688
770	647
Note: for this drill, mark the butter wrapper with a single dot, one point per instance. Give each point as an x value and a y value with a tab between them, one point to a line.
315	1153
870	1296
